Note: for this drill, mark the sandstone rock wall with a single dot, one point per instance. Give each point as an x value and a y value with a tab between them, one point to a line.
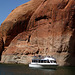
17	20
17	59
50	30
1	41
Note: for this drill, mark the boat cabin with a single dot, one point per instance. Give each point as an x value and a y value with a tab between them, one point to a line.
44	60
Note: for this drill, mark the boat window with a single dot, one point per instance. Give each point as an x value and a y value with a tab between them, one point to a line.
48	61
52	61
34	60
41	61
45	61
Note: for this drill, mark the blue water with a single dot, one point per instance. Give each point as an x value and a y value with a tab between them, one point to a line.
16	69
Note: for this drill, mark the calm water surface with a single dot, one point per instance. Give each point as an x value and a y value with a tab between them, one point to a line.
12	69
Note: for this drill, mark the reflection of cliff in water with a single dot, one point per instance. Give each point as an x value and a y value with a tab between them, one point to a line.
65	71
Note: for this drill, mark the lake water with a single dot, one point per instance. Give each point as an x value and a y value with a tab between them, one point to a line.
16	69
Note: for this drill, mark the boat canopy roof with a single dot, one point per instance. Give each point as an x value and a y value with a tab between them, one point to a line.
43	58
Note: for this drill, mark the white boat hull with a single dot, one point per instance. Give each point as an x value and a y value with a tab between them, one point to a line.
42	66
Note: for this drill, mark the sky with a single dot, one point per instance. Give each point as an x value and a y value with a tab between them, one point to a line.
6	6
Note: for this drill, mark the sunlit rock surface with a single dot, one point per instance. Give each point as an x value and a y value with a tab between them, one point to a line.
48	29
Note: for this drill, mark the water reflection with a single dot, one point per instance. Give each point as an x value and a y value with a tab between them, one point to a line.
42	71
25	70
65	71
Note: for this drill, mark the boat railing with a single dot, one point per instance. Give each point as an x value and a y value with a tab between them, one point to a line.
42	57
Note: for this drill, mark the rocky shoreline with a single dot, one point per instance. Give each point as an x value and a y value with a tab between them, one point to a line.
26	59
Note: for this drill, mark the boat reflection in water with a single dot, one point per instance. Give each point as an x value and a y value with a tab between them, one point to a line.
43	62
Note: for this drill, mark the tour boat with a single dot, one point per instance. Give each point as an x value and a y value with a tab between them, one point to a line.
43	62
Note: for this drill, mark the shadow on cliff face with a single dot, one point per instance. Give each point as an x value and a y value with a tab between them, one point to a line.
2	50
14	30
71	56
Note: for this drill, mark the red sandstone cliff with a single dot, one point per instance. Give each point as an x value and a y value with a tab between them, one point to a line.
17	20
1	40
45	27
